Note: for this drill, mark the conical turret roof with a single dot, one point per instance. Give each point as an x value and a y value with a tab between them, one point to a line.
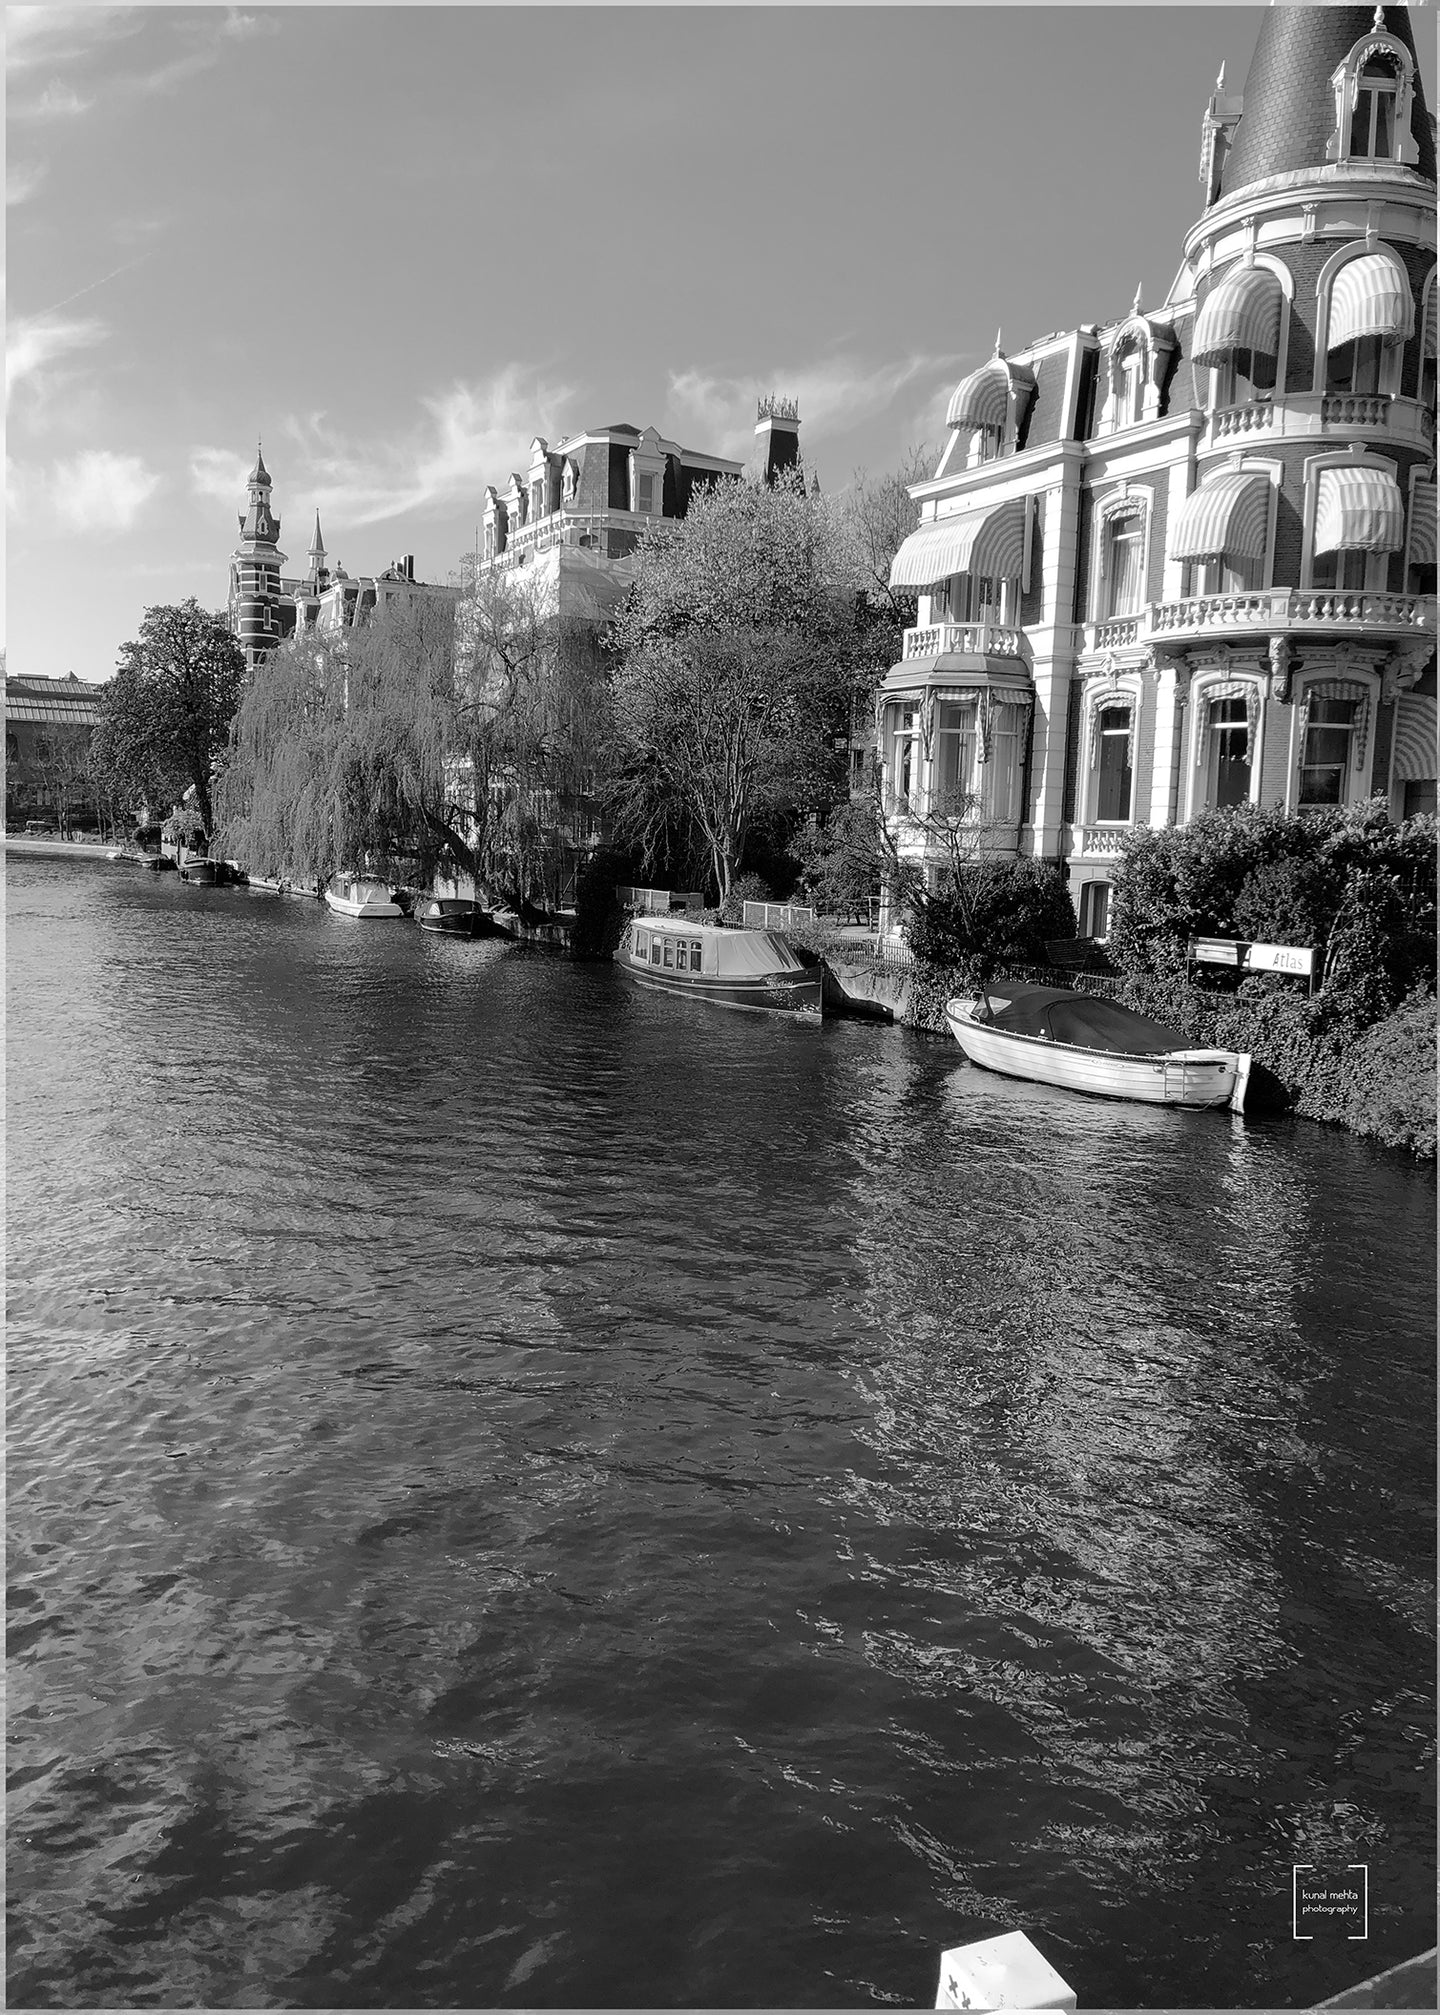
1289	110
259	474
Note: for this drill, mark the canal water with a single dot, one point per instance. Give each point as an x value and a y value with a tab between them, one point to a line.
525	1493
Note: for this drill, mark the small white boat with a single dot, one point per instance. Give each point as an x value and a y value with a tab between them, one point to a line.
1085	1043
356	896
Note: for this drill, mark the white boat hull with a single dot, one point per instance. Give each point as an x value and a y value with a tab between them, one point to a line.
345	906
1199	1077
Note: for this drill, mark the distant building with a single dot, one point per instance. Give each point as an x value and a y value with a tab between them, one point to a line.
266	606
580	511
48	724
1186	558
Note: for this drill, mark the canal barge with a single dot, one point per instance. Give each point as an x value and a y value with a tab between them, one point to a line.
1085	1043
358	896
752	970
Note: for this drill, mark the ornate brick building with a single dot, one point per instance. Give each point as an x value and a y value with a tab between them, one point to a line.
266	606
1187	557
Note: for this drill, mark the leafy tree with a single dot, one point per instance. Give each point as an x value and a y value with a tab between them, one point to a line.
849	858
882	514
164	717
737	653
59	764
532	725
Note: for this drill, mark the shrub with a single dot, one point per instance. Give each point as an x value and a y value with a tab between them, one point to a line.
998	911
1386	1084
599	918
744	889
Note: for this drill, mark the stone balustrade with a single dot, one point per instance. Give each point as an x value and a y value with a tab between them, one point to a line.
1279	609
1102	840
1322	413
933	640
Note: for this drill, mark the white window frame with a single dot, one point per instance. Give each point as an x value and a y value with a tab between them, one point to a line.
1346	84
1195	743
1123	690
1121	503
1357	774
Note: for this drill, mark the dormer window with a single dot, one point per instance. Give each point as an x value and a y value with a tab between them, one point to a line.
1372	125
1374	101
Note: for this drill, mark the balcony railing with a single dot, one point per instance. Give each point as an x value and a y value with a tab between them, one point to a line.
990	640
1098	840
1114	635
1288	608
568	528
1323	413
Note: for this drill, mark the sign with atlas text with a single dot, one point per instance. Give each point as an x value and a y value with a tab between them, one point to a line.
1255	958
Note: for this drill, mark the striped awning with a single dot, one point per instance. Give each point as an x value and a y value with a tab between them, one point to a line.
988	543
1231	515
1371	297
1242	313
1415	731
1422	525
982	399
1359	511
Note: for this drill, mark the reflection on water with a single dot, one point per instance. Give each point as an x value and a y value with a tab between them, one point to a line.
523	1493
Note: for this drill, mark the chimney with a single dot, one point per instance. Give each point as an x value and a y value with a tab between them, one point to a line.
777	433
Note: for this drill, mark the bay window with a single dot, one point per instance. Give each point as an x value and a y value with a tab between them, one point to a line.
1372	124
904	763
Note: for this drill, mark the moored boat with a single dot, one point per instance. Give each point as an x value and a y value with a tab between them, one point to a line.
752	970
360	896
204	873
456	917
1085	1043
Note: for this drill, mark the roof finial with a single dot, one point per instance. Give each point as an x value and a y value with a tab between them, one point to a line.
1379	22
1220	80
1135	307
997	340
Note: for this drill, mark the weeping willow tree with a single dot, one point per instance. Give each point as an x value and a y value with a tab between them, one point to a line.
429	741
348	750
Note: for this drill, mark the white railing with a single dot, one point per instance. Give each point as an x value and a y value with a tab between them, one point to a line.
1286	608
1112	635
1255	417
775	916
1355	409
658	902
568	528
1102	839
991	640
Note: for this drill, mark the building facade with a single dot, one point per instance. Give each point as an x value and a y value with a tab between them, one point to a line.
266	605
48	725
1187	558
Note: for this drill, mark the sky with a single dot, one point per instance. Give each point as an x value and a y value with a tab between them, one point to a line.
396	243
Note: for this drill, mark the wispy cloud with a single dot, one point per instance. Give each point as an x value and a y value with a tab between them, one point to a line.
35	343
40	37
218	473
43	39
56	101
471	435
22	179
713	412
101	492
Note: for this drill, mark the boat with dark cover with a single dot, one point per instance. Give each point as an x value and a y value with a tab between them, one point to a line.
456	916
1086	1043
752	970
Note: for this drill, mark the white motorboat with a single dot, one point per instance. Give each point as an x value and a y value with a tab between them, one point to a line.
1085	1043
358	896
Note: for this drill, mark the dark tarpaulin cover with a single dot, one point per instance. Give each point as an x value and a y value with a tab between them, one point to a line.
1086	1020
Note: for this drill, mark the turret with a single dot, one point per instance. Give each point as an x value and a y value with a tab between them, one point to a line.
255	571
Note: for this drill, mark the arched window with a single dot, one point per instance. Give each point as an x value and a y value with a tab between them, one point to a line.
1227	719
1373	122
1369	316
